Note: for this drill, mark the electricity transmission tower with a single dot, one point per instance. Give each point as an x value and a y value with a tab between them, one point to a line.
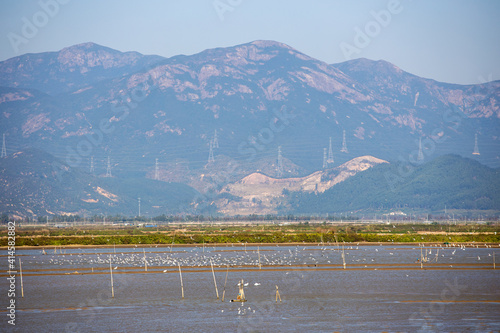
325	163
280	164
156	169
216	142
211	152
330	153
420	156
108	169
475	152
139	206
4	150
344	144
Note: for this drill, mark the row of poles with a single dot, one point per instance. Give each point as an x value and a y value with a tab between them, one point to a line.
213	273
180	276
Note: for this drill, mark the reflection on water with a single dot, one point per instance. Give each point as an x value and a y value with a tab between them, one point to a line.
382	288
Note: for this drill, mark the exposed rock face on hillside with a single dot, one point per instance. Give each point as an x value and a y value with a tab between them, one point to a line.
261	194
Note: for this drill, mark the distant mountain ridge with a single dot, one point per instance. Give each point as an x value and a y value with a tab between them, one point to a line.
152	115
392	82
182	100
71	68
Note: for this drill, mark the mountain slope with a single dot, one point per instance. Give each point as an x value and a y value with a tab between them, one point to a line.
399	87
257	96
34	183
450	180
261	194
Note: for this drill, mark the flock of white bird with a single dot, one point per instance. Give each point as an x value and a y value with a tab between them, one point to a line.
165	260
196	257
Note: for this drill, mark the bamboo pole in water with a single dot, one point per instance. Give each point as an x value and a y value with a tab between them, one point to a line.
225	281
258	252
343	256
111	274
173	239
145	261
494	260
21	272
182	285
421	258
215	282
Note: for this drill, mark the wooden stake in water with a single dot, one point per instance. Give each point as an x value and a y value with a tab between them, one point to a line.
225	281
145	261
182	285
173	239
421	258
21	272
258	252
343	256
494	260
215	282
278	295
111	274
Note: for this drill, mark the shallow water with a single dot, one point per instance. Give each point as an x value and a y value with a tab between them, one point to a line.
381	289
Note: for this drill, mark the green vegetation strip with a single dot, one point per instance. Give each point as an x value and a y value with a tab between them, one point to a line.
249	237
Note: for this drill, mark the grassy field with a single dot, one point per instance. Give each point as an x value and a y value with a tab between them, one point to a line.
253	233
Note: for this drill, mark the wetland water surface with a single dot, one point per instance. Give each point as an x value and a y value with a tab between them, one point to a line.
383	288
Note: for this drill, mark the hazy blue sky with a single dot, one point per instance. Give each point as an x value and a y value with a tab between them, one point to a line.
452	41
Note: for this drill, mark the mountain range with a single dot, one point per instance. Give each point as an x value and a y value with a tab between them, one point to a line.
151	117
